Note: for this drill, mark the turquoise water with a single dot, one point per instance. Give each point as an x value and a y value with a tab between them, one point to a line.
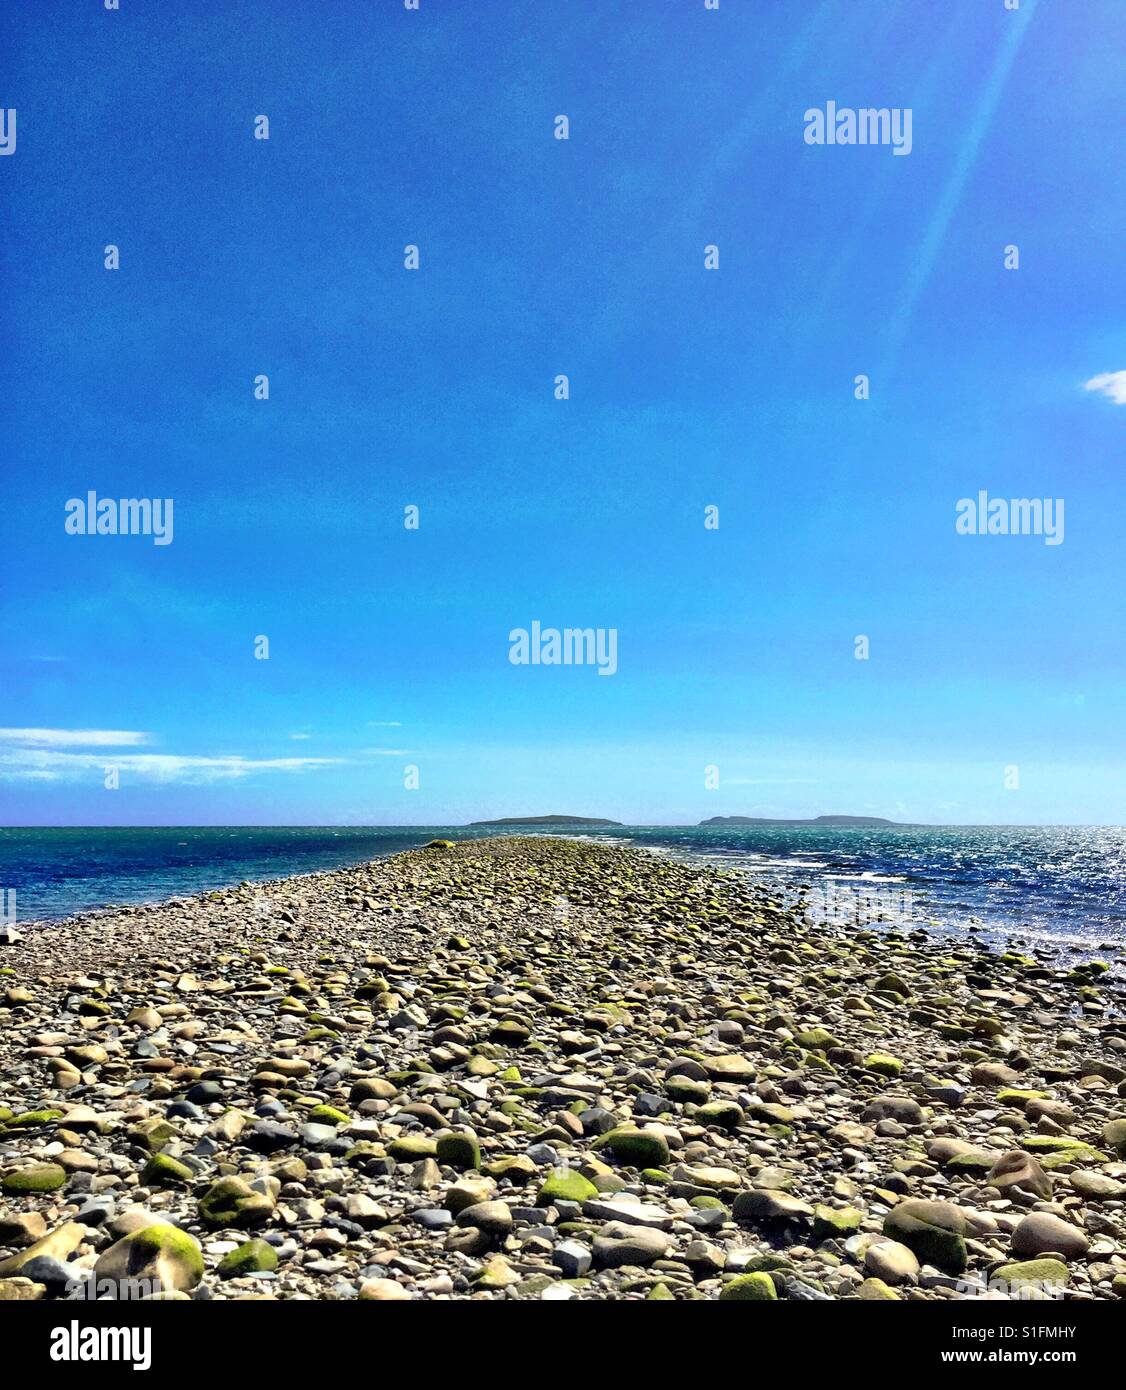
1048	886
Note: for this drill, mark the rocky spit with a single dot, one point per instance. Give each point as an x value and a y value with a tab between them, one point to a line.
532	1068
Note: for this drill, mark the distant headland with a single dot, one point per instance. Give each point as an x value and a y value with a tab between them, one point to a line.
869	822
544	820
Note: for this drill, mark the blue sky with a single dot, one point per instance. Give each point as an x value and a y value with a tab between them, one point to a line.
689	388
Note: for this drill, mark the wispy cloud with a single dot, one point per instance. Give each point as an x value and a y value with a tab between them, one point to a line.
301	736
81	738
47	764
385	752
1111	384
384	724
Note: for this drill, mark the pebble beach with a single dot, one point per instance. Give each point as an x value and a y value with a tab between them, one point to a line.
550	1069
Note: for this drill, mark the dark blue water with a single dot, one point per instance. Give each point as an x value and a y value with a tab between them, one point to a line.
1049	886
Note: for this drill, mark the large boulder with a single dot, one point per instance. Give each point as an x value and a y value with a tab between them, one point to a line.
1041	1233
934	1231
164	1256
1020	1170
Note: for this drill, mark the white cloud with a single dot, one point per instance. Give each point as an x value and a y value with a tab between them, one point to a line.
48	764
301	735
384	724
61	738
385	752
1111	384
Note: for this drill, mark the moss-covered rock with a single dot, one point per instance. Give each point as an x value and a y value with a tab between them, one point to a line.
636	1148
458	1150
876	1291
233	1202
251	1257
565	1185
517	1168
40	1177
720	1114
409	1148
687	1090
1055	1144
749	1288
162	1255
152	1134
162	1170
833	1223
883	1064
1017	1098
34	1119
1025	1273
933	1231
328	1115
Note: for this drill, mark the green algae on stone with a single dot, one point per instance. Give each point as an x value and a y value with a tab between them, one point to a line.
43	1177
407	1148
458	1150
565	1185
231	1201
251	1257
831	1223
875	1290
1060	1146
749	1288
33	1119
973	1162
723	1114
162	1170
933	1231
686	1089
1024	1273
768	1113
883	1064
637	1148
1018	1099
161	1253
328	1115
516	1168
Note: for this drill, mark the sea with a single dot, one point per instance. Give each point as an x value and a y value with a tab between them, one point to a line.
1054	889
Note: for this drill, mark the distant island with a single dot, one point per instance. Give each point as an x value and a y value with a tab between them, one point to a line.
870	822
544	820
